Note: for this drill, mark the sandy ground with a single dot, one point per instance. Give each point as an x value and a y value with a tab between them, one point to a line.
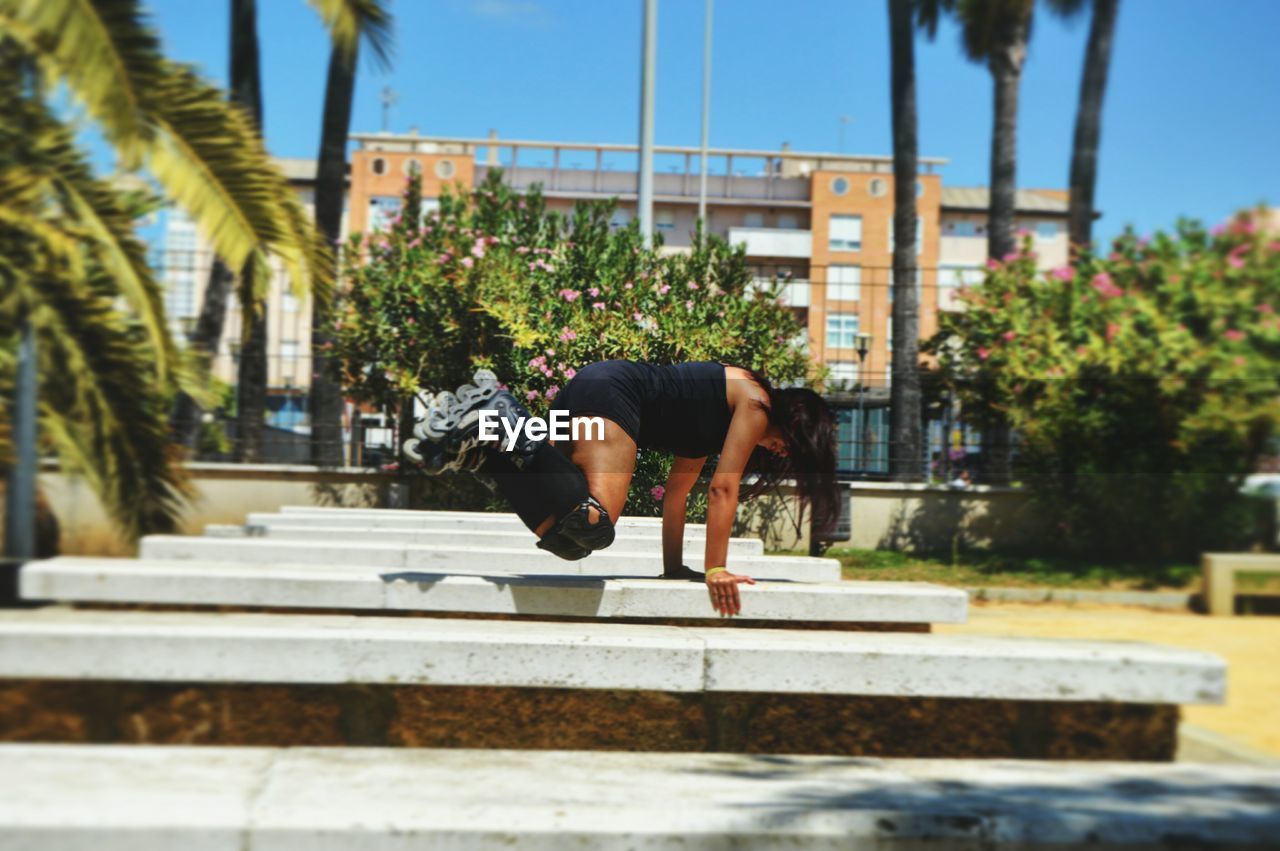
1251	646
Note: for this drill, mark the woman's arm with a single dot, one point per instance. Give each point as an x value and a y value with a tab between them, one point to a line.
681	479
746	429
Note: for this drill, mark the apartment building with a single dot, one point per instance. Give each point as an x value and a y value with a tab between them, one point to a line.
820	222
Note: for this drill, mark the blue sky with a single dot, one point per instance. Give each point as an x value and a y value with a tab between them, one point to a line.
1191	123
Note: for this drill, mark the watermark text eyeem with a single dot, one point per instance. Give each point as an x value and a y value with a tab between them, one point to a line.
558	428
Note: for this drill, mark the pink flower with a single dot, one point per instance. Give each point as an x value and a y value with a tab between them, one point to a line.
664	289
657	492
1236	258
534	363
1010	257
522	249
531	395
1265	308
467	262
1063	273
594	292
599	305
409	321
688	305
1008	336
983	354
693	285
1218	230
1112	330
1238	361
637	316
992	263
492	240
477	250
337	326
1234	335
570	373
628	285
1081	351
551	353
1105	286
570	295
567	334
552	391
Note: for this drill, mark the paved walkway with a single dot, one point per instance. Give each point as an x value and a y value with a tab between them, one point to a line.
1249	644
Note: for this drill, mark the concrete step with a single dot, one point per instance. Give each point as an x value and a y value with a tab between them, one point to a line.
58	643
469	521
464	558
627	539
212	583
335	511
145	798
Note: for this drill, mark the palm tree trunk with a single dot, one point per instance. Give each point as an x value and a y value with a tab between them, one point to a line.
1084	150
904	391
326	396
251	379
1005	63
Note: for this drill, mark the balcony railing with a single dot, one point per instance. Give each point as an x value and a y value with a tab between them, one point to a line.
773	242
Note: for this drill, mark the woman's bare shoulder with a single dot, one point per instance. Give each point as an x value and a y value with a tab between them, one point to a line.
741	385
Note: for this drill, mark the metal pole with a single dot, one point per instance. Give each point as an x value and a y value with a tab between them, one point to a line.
706	118
862	428
648	84
20	506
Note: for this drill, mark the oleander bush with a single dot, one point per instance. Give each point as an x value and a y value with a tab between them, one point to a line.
492	278
1143	385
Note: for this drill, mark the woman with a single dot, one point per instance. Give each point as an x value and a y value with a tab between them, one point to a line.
693	410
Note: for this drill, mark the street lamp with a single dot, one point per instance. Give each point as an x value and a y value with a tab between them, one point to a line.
862	343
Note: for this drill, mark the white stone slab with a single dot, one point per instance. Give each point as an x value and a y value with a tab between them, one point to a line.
415	514
73	579
124	798
328	531
479	558
470	522
300	648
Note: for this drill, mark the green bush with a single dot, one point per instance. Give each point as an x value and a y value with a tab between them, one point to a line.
1142	385
494	279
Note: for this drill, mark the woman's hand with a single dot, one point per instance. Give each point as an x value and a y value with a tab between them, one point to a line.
722	586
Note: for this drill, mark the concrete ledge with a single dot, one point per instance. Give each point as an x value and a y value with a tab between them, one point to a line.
211	799
56	643
224	583
280	527
468	521
467	558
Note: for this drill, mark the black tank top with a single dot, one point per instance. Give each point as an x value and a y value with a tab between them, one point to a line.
683	409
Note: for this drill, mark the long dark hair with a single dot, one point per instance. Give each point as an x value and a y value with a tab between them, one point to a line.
809	429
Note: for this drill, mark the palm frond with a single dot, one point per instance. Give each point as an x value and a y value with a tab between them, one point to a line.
351	21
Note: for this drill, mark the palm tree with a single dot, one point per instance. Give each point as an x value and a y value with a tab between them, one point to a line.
1084	147
904	390
71	266
367	19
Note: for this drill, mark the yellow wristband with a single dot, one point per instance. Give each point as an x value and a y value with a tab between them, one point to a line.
712	571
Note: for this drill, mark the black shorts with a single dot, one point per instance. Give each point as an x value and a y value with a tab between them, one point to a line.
613	389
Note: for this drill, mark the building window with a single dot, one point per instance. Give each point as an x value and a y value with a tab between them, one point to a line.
620	219
664	220
919	235
796	294
1048	229
289	350
877	187
842	330
844	283
753	220
788	221
445	169
412	167
289	303
845	233
382	209
840	186
964	227
843	371
379	165
953	275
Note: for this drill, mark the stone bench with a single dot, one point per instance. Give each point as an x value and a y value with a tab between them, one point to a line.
227	583
1219	571
311	679
230	799
464	558
465	521
278	526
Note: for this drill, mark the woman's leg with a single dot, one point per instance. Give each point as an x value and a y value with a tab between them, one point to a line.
608	465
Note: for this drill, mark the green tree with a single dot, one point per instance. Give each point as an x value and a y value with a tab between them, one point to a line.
1143	385
350	22
72	267
494	279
